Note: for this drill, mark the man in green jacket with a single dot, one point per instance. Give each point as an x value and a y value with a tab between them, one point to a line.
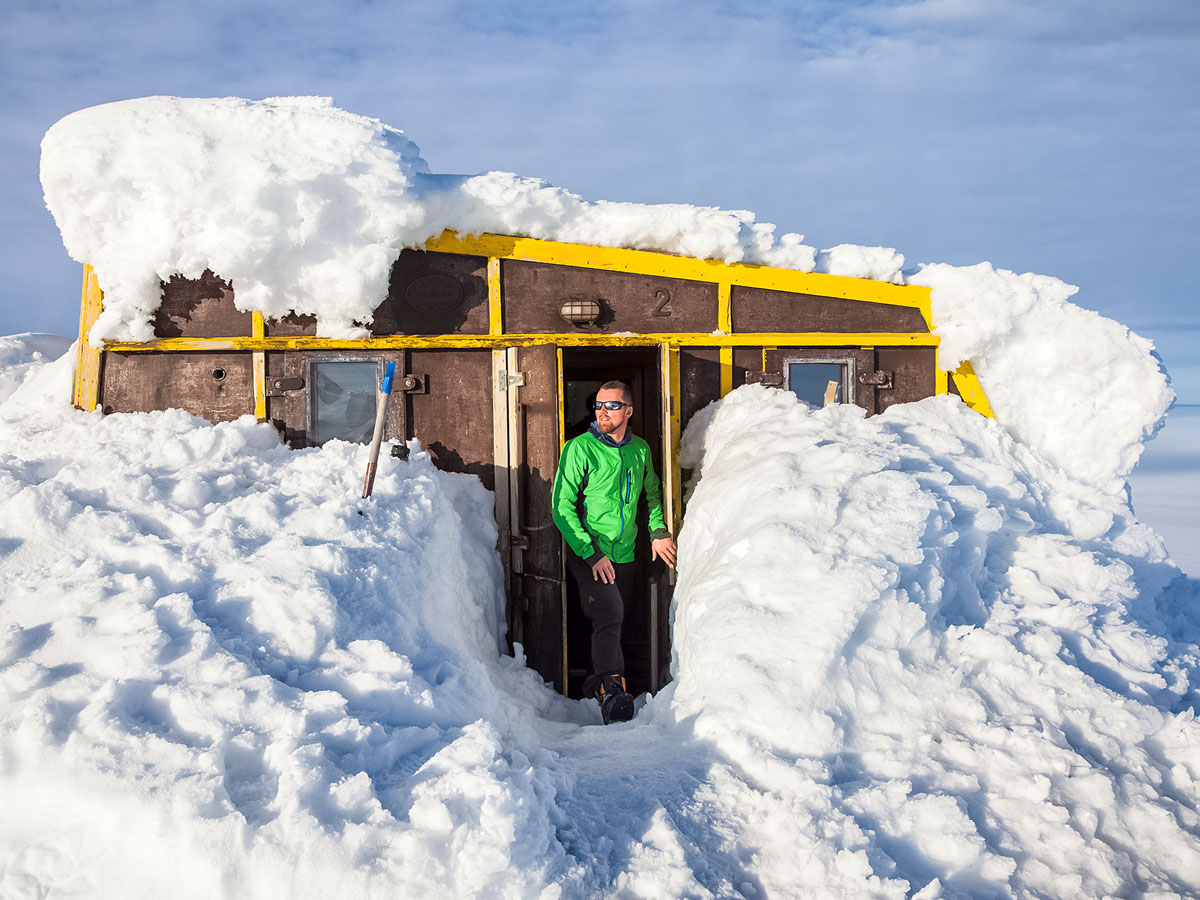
601	476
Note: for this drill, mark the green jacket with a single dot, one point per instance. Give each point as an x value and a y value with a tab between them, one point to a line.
596	492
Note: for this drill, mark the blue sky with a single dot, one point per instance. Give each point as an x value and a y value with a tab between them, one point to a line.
1060	138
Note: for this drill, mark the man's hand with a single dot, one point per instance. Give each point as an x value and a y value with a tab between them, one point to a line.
665	548
603	570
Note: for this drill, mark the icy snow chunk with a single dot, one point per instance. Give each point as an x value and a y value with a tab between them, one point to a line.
1081	388
853	261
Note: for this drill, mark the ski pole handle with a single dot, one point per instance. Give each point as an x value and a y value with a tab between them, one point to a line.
381	403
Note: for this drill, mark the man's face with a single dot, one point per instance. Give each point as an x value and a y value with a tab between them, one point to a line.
611	421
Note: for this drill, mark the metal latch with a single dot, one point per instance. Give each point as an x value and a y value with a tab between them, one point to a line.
506	380
767	379
881	380
409	383
280	386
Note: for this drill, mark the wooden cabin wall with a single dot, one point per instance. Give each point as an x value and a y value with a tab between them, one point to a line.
200	307
451	411
434	293
759	310
534	293
215	386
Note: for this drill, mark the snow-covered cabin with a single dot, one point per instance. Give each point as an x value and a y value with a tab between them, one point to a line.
499	343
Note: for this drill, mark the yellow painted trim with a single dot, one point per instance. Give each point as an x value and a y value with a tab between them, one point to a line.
725	324
259	363
927	309
941	382
87	365
562	439
684	339
562	401
672	490
647	262
495	303
971	390
725	307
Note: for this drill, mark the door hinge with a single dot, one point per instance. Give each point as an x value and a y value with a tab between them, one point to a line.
506	380
519	542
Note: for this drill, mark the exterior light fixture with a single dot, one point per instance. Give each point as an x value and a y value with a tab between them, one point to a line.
580	312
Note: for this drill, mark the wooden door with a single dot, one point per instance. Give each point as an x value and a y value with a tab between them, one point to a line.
527	381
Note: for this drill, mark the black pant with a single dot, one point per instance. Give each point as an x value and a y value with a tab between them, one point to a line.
604	606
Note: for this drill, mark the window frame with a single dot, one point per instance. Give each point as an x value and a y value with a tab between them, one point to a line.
310	371
849	379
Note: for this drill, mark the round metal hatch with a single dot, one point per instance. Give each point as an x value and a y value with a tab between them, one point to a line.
434	293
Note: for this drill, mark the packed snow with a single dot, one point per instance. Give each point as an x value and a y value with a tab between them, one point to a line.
912	658
305	207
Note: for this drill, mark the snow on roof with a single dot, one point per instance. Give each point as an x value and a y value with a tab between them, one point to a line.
305	207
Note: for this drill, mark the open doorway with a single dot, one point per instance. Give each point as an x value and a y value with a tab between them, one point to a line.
644	639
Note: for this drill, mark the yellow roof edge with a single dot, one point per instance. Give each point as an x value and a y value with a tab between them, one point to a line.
657	262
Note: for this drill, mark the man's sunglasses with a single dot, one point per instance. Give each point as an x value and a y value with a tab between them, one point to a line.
608	404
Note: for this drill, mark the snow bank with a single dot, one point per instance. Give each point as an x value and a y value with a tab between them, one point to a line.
224	675
912	659
941	663
1083	389
21	355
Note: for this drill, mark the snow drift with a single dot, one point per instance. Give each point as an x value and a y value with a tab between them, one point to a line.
912	658
305	207
956	668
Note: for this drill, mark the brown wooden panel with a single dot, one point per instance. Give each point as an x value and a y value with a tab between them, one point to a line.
452	415
434	293
699	379
539	589
746	360
538	456
913	374
757	309
542	623
215	386
864	362
534	294
290	410
291	325
199	307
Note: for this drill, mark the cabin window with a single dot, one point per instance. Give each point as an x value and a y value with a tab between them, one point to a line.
820	381
343	400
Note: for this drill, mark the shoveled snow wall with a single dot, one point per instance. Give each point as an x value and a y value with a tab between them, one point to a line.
952	667
305	207
225	675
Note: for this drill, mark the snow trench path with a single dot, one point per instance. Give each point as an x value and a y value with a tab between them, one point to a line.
638	817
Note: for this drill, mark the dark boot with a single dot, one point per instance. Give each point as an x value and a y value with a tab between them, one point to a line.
616	704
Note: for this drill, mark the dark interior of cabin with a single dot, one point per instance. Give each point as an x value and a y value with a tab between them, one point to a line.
644	635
